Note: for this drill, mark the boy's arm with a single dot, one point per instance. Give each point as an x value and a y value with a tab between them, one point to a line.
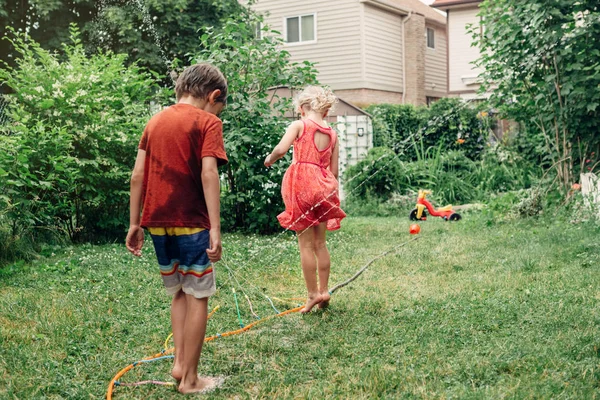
212	194
286	142
135	235
334	164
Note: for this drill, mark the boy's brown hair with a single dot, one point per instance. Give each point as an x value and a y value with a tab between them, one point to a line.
199	80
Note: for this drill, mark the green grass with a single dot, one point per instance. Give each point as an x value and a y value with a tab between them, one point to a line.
470	310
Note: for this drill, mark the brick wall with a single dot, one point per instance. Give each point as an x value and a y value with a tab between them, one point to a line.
415	59
364	97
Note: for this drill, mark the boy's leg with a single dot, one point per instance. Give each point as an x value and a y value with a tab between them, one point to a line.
193	338
309	268
178	312
323	262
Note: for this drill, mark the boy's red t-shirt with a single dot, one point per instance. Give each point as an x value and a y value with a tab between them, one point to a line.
175	140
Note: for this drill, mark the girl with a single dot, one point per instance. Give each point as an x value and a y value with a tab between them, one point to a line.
310	188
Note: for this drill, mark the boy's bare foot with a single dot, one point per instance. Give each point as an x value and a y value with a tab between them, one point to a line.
203	384
325	296
311	301
177	372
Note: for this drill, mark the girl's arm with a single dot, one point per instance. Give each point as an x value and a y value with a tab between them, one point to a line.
286	142
335	155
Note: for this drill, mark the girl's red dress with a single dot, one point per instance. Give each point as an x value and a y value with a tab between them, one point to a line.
309	189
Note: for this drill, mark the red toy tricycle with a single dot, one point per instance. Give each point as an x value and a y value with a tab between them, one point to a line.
419	214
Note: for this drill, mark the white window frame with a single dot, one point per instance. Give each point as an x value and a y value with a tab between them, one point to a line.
427	38
300	42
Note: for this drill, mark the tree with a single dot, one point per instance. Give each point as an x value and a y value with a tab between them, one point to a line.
542	65
152	32
253	120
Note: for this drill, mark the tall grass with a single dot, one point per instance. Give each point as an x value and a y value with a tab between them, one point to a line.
453	177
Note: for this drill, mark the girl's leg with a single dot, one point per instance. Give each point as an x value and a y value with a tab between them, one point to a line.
309	268
178	311
323	262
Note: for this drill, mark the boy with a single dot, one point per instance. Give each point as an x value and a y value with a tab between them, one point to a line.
176	183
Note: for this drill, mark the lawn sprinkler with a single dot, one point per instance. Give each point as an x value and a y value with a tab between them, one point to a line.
419	214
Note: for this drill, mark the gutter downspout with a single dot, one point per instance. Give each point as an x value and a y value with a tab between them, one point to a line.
404	21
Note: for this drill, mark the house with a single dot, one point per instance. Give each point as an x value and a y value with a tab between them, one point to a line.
367	51
462	75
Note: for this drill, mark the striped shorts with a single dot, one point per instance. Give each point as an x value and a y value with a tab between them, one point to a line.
184	264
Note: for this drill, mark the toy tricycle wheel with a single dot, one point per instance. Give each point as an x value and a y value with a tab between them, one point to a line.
455	217
413	215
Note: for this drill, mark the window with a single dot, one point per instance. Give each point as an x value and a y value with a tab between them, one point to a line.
431	38
430	100
300	29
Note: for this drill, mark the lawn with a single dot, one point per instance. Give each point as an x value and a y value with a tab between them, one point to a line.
473	309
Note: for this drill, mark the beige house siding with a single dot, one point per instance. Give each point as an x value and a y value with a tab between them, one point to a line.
383	49
462	74
436	78
363	46
337	47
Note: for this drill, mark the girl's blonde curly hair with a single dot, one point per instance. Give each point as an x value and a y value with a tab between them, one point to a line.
319	99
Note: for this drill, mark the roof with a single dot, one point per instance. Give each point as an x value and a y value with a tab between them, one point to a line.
445	4
421	8
342	108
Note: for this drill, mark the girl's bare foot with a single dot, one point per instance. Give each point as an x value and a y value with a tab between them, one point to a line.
311	301
325	296
202	384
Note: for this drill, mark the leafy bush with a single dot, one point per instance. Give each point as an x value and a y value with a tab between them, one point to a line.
253	120
70	144
375	177
450	122
502	169
451	175
395	124
456	125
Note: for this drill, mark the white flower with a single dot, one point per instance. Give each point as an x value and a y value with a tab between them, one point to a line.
39	89
94	78
81	92
58	93
56	85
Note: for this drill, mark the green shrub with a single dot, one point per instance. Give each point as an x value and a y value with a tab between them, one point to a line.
395	124
70	143
451	175
375	177
503	169
450	122
456	125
